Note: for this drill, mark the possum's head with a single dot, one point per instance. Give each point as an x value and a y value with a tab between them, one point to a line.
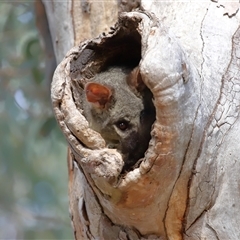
122	112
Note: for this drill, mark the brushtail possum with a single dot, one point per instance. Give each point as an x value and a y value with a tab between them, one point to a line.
119	106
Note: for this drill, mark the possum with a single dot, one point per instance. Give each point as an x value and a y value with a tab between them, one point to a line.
119	106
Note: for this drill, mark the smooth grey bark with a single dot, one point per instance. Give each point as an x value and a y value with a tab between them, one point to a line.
187	186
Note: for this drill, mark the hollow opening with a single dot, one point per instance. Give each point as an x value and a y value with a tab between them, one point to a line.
120	50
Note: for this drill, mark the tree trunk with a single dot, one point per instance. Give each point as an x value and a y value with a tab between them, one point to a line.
187	185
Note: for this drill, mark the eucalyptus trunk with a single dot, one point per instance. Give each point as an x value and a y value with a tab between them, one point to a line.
187	186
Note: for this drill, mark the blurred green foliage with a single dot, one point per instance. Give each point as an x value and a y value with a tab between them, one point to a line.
33	170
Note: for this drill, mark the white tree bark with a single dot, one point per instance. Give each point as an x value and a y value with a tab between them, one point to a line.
187	186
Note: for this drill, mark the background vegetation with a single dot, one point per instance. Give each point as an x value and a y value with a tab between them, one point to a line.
33	171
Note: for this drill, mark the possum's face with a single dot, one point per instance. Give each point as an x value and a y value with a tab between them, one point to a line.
121	116
127	128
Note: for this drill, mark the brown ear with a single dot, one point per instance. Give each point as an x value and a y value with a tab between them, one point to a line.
135	80
98	94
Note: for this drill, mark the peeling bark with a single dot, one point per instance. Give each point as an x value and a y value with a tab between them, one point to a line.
187	185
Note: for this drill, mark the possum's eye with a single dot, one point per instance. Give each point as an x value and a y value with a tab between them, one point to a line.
122	125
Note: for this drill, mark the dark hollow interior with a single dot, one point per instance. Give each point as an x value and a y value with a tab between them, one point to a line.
120	50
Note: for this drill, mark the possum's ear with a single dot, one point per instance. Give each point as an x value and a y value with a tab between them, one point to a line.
135	80
97	94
